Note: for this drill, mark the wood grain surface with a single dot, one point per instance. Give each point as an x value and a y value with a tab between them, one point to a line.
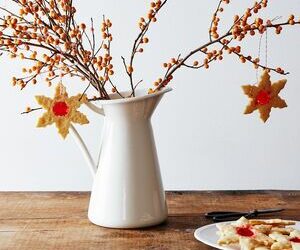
58	220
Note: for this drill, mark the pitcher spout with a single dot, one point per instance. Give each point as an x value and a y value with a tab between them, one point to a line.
136	108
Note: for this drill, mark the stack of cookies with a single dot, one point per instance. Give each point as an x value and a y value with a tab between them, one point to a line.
274	234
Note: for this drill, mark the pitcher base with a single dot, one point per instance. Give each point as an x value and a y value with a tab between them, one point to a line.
128	225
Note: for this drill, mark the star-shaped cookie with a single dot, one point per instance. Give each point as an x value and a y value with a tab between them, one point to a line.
61	110
264	97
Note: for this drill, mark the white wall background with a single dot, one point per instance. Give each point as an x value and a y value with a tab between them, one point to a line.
203	140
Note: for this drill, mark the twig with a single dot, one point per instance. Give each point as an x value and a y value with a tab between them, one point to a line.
247	58
85	90
31	110
213	19
136	45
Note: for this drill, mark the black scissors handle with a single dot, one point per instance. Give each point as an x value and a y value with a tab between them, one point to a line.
224	214
232	215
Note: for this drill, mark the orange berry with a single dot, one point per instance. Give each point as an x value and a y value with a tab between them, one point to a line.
130	69
83	26
279	70
291	22
236	18
150	91
243	60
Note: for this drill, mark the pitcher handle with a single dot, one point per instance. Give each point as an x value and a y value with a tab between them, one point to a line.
98	110
80	142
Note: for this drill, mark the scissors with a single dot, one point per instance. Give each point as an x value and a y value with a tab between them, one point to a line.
218	216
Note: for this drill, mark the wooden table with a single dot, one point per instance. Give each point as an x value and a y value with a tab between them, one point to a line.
58	221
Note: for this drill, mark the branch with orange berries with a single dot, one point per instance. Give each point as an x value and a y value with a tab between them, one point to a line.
242	27
46	33
144	25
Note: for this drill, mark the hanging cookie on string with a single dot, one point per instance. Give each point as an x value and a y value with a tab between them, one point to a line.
264	95
62	110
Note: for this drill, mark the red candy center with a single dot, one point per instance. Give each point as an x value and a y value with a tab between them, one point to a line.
263	97
244	231
296	240
60	109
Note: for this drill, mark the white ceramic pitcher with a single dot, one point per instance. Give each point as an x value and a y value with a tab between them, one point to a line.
127	190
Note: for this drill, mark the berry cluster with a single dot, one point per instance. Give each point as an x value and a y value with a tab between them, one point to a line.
46	34
246	25
144	25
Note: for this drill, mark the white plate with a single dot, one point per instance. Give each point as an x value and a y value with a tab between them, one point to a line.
208	235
